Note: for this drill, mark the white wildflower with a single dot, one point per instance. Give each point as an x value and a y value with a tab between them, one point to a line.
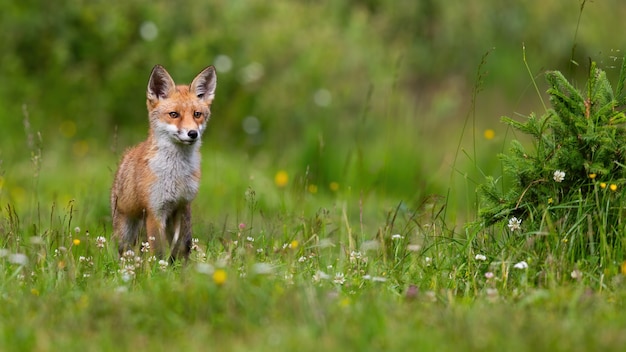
145	247
480	257
559	176
374	278
205	268
163	264
515	224
320	275
414	248
262	268
521	265
18	258
194	244
355	256
397	236
100	241
128	254
127	272
339	279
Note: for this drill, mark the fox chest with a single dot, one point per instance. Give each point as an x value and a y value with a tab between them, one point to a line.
176	180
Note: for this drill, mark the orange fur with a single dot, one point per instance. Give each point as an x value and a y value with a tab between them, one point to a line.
158	178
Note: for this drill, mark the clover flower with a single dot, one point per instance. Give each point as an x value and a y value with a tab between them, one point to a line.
18	258
194	244
576	274
127	272
480	257
262	268
515	224
100	241
521	265
559	176
339	279
356	256
320	275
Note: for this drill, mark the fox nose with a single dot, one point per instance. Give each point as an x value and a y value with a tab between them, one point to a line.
193	134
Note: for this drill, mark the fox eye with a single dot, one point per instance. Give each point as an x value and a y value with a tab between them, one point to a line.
174	114
197	114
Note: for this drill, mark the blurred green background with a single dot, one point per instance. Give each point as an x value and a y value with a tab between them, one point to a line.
366	98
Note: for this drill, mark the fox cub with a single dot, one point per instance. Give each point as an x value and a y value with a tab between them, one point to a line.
158	178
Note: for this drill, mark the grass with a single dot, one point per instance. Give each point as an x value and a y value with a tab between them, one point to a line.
282	262
341	241
279	267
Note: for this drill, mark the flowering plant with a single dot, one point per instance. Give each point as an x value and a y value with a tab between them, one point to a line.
580	141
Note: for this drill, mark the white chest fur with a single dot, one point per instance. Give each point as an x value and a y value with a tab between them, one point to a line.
175	167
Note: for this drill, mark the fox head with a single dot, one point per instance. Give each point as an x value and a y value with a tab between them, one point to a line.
180	113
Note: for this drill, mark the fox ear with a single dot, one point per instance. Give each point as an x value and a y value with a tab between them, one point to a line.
203	86
160	85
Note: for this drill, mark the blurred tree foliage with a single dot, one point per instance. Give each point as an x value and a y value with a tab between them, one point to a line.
296	78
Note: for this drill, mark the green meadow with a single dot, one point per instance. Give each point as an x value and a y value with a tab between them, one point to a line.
361	189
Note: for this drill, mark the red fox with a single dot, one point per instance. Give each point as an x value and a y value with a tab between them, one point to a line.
158	178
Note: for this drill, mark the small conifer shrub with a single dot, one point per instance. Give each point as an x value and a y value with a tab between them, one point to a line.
571	180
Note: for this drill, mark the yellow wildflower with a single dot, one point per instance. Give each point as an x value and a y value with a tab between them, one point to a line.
613	187
281	178
219	276
489	134
76	241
